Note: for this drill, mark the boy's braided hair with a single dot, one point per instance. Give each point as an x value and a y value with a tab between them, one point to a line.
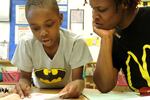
51	4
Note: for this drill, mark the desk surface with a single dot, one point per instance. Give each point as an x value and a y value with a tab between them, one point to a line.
37	90
54	91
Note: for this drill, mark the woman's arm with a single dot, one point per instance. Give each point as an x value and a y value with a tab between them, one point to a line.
105	75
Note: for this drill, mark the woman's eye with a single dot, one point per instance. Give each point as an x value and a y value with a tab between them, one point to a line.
101	10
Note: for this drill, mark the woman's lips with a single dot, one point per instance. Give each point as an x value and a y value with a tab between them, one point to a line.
97	25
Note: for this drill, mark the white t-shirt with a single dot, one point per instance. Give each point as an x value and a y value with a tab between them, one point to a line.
52	73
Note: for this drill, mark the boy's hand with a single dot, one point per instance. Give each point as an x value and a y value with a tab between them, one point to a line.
22	88
73	89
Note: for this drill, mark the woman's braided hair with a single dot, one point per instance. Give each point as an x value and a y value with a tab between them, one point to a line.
131	4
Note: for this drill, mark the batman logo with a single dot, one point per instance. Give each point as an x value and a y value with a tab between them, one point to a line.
50	76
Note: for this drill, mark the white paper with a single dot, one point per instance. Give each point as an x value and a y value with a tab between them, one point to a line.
63	8
20	14
140	98
43	96
94	94
4	50
4	31
4	10
22	31
62	1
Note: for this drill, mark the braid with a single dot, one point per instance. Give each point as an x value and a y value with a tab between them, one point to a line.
50	4
131	4
37	3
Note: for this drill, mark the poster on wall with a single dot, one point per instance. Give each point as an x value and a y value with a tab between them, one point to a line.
63	8
4	31
4	10
20	14
76	19
22	31
62	1
4	50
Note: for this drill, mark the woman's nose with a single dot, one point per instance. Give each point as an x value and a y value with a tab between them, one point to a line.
96	15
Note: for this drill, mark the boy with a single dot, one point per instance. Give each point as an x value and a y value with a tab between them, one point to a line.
54	57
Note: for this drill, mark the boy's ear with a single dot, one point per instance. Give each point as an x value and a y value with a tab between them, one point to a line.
61	18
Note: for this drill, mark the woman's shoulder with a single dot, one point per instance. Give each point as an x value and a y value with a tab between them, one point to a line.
144	11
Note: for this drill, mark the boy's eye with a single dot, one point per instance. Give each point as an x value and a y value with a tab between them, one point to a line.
50	24
35	28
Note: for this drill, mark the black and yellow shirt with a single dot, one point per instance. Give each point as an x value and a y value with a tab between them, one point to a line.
131	51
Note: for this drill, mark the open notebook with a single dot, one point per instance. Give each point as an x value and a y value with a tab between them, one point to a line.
43	96
94	94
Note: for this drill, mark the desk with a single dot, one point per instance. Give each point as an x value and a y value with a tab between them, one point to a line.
37	90
54	91
5	63
94	94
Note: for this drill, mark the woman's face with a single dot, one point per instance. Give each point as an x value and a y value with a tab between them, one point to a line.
44	24
105	14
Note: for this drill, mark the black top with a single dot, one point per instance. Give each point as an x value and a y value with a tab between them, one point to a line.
131	51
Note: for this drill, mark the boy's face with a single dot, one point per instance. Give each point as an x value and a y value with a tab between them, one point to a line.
45	24
105	14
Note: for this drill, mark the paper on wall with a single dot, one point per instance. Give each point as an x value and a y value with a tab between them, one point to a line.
20	14
4	10
22	31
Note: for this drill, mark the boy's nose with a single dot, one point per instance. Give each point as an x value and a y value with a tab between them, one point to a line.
44	33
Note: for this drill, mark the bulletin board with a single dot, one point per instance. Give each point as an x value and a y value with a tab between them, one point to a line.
19	24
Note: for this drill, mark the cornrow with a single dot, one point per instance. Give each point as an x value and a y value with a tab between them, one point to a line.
52	4
131	4
34	2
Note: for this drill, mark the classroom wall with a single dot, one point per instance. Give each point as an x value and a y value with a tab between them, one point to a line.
73	4
4	28
91	38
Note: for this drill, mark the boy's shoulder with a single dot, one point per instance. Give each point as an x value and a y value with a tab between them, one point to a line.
70	35
30	40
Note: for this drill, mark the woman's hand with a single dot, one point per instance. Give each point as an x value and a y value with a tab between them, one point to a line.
23	88
73	89
103	33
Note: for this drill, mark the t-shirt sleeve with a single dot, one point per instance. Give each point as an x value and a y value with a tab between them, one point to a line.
80	54
117	62
22	57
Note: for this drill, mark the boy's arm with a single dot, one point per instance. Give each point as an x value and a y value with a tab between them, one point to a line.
77	75
76	86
